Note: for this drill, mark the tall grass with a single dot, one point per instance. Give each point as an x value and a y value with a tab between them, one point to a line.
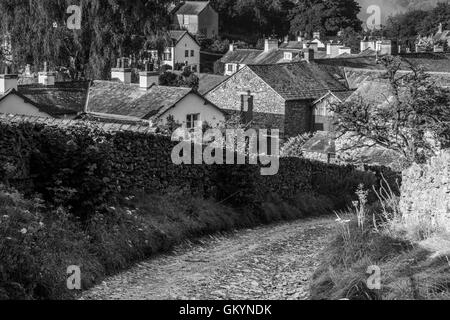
376	235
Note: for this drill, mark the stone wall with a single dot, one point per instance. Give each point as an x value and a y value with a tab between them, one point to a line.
425	195
268	106
101	161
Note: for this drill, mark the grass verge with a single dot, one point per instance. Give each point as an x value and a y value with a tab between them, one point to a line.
38	243
374	238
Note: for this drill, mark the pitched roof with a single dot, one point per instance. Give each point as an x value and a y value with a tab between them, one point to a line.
255	56
376	92
177	35
208	81
64	98
355	77
192	7
340	95
130	100
297	81
321	142
241	56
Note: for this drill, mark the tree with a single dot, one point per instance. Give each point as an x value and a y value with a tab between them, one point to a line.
326	16
414	121
186	79
109	29
250	20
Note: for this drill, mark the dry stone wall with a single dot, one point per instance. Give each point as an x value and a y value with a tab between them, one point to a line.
86	164
425	194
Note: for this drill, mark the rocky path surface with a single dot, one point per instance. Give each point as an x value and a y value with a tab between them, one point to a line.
270	262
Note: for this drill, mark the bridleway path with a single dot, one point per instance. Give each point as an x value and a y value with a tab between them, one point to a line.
269	262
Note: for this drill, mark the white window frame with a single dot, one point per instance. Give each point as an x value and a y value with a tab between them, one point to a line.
192	120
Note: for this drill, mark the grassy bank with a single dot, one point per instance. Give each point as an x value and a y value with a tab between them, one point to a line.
413	264
38	243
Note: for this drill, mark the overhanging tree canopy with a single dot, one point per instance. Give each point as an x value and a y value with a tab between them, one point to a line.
109	29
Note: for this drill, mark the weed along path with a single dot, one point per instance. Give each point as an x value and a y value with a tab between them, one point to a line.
270	262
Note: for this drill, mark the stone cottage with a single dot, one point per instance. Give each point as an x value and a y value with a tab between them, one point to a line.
47	98
126	102
275	96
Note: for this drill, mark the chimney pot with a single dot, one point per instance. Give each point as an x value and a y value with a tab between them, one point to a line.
8	81
308	54
270	44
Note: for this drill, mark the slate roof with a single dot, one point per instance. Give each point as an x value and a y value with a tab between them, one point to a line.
376	92
321	142
355	77
297	81
254	56
208	81
106	97
177	35
192	7
241	56
64	98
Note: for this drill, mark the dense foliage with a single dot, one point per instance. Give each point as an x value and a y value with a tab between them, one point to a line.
407	26
327	17
414	120
109	29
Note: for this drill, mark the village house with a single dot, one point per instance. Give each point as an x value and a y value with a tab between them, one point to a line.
197	17
323	117
289	51
276	96
46	98
435	42
125	102
235	59
183	52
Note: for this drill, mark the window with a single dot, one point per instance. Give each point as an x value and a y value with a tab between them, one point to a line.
192	53
186	20
186	53
288	56
194	68
192	120
319	127
247	108
167	56
230	67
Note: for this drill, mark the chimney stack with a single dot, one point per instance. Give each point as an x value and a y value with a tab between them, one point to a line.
46	77
231	49
440	28
121	71
270	44
148	77
308	54
8	81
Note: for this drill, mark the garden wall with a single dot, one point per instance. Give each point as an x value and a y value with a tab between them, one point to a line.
425	194
84	165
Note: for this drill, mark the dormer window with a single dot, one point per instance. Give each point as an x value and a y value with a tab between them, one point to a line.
288	56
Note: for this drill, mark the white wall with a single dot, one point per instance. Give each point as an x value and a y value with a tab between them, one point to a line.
187	43
193	104
13	104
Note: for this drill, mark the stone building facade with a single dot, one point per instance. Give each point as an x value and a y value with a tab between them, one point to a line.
281	95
